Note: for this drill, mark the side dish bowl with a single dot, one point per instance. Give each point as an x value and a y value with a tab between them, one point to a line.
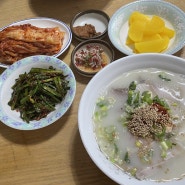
90	56
174	18
7	79
98	85
96	18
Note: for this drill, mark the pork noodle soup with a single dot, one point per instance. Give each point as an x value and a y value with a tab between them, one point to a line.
139	124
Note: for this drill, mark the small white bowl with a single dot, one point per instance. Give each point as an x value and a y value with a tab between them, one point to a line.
7	79
174	17
96	18
96	86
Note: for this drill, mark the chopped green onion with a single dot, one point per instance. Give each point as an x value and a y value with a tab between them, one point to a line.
165	145
103	105
161	102
133	98
133	171
163	154
147	97
132	86
126	158
163	77
138	143
110	133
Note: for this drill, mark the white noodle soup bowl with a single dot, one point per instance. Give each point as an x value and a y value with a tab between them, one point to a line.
93	90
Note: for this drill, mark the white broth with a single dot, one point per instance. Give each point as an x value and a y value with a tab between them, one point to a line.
156	157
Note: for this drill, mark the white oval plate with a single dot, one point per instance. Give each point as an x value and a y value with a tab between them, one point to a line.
98	85
173	16
44	22
12	118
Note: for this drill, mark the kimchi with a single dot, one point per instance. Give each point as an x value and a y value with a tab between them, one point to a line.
20	41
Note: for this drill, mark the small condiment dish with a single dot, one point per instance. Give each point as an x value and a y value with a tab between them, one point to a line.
89	24
90	56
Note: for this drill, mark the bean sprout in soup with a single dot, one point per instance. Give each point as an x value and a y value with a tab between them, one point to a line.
139	123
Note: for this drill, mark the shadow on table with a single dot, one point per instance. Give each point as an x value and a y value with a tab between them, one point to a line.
84	170
31	137
64	10
2	1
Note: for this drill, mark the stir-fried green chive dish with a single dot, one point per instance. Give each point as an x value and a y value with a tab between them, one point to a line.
36	93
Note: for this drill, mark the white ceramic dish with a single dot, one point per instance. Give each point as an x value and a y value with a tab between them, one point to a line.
7	80
44	22
173	16
97	85
97	18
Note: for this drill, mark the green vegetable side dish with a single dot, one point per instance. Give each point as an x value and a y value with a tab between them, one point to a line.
36	93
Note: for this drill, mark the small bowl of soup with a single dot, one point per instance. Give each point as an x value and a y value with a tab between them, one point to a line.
131	120
90	24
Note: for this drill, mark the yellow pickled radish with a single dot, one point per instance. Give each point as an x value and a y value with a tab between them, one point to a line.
148	34
151	37
155	46
137	16
166	41
136	31
155	25
129	41
168	32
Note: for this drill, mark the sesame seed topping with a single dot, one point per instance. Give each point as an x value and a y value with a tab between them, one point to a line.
149	120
